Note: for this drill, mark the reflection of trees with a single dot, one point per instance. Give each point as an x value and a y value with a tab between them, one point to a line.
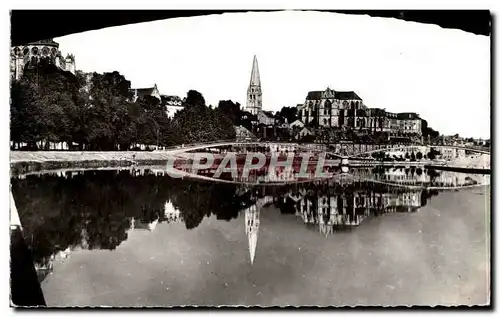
92	209
95	209
196	199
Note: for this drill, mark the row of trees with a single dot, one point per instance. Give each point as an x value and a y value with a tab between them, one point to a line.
97	112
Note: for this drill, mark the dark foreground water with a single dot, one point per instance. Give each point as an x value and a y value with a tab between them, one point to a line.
129	238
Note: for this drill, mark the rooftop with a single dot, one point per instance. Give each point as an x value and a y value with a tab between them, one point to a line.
339	95
408	115
144	91
346	95
268	113
48	42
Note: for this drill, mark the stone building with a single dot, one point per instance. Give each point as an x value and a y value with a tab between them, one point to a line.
409	123
330	108
31	54
254	92
396	124
381	120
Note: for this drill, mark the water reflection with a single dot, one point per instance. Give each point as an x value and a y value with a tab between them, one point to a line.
408	176
65	212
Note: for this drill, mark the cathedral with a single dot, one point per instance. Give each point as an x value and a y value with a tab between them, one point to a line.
254	92
32	53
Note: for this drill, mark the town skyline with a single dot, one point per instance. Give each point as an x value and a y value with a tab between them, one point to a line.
203	54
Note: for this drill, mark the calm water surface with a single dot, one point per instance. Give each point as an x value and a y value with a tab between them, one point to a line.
135	238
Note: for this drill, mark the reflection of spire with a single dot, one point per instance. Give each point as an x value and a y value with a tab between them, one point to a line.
252	222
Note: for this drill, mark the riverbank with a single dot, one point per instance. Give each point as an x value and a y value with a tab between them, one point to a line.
25	162
22	162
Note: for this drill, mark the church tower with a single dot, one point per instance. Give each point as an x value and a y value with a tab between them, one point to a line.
254	92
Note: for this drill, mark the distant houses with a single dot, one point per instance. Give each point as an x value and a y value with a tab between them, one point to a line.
266	117
304	132
296	124
171	103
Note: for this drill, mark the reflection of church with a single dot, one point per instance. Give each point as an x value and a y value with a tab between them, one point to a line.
252	223
349	207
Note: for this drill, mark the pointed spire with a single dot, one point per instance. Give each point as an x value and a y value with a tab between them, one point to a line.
255	77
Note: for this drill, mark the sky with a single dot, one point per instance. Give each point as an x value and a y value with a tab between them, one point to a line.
441	74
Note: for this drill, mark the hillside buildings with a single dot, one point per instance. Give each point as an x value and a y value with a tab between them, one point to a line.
31	54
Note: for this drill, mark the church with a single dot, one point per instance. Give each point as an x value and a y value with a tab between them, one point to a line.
32	53
254	92
254	97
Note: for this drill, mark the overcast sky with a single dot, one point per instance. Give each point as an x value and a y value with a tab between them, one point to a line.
442	74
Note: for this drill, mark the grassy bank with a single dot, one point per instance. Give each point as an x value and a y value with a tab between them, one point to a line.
22	162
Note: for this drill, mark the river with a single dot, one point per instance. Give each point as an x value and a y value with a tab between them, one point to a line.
136	238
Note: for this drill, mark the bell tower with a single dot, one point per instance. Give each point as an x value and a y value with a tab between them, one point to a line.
254	92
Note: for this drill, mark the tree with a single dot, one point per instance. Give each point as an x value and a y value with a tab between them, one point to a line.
107	111
96	112
231	110
42	105
198	123
433	134
419	155
287	113
194	98
413	158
